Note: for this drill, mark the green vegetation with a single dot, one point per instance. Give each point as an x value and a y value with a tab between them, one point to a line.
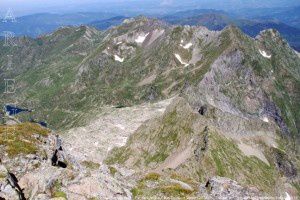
232	163
19	139
56	191
164	138
135	192
219	165
2	176
297	186
156	158
70	77
118	156
91	165
112	170
183	178
175	190
222	157
160	186
151	176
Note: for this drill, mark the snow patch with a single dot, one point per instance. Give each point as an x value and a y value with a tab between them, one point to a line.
264	54
120	126
141	38
180	60
265	119
119	42
288	197
187	46
119	59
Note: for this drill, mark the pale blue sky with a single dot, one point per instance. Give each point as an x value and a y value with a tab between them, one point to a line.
22	7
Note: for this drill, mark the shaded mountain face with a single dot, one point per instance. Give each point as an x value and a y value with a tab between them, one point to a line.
235	109
108	23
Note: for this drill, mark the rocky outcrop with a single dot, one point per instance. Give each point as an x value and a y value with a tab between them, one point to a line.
9	185
285	165
14	183
201	143
202	110
271	110
225	188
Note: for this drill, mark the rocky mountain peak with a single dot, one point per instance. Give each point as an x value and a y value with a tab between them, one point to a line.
141	23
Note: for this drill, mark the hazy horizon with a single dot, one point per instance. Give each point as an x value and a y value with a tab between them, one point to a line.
22	7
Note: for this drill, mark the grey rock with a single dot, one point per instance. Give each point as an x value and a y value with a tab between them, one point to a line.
225	188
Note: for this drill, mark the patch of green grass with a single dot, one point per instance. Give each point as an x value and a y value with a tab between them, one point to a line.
56	191
219	164
151	177
118	156
176	33
297	186
112	170
19	139
91	165
182	178
231	162
158	157
136	192
60	194
175	190
2	176
139	189
159	187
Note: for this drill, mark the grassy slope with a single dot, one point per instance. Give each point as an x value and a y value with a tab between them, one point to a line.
156	140
55	58
19	139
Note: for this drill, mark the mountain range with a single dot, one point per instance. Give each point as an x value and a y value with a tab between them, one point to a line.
42	23
251	21
287	15
217	20
149	109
